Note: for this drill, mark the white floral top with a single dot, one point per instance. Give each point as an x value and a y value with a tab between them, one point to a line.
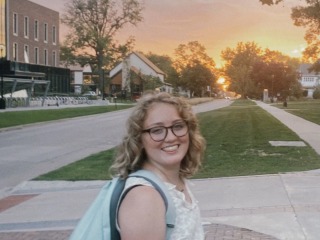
188	221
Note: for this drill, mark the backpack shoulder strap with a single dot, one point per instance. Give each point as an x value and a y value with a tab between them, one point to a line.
113	208
163	191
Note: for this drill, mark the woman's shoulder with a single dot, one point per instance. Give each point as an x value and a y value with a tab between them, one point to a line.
134	211
136	181
140	191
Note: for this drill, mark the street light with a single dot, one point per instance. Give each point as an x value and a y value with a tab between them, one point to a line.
2	100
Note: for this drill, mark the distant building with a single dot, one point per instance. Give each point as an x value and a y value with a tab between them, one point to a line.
136	64
29	48
308	80
82	79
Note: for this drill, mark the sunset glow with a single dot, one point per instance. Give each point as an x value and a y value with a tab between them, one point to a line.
216	24
221	80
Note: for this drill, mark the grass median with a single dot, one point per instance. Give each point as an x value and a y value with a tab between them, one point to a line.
308	109
16	118
237	145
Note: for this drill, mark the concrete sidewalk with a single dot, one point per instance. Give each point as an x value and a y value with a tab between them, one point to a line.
279	206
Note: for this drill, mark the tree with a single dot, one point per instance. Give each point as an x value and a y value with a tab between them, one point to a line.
164	63
278	77
191	54
190	58
67	55
93	27
151	83
316	93
239	65
307	16
196	78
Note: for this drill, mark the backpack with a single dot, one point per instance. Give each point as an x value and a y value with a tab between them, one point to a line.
99	221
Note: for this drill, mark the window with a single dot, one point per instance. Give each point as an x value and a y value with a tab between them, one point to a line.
36	30
15	24
45	32
15	52
54	58
26	27
45	57
26	53
54	38
36	55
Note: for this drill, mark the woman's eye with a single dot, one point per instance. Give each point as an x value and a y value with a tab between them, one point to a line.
156	130
178	126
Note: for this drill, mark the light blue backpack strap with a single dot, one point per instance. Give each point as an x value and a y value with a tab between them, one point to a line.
159	185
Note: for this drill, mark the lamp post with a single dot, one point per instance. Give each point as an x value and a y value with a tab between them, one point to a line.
102	90
2	100
272	95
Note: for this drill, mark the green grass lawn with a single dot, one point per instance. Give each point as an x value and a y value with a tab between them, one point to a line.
307	109
237	144
10	119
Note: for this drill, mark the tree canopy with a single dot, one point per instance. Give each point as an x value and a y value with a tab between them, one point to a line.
196	70
238	67
252	69
93	25
191	54
197	77
307	16
165	63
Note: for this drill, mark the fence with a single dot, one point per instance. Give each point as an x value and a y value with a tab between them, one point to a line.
48	101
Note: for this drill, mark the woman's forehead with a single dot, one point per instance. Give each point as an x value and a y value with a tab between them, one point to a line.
159	112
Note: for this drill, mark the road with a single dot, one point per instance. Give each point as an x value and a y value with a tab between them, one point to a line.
28	151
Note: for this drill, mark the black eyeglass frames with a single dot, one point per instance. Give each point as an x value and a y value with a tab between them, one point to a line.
159	133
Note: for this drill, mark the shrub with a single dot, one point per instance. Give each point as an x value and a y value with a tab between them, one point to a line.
316	93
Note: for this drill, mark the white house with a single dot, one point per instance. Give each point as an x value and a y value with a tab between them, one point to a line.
309	80
121	74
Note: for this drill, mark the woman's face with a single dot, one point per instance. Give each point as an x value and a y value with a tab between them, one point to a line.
171	150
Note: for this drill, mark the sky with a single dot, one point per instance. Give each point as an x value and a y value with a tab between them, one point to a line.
216	24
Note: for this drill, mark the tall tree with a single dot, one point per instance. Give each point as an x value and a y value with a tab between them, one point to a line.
196	78
279	78
165	63
239	65
191	57
93	27
191	54
307	16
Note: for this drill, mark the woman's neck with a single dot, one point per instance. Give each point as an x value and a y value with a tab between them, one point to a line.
171	175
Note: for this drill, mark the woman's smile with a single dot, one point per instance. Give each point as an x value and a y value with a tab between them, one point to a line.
171	148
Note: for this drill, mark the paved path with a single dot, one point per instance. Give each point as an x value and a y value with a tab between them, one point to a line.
308	131
277	206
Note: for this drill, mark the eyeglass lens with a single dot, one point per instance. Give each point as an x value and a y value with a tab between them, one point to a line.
160	133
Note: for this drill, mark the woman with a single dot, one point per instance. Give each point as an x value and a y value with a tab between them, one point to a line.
162	137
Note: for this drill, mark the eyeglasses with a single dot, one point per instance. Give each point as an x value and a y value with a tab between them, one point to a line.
158	134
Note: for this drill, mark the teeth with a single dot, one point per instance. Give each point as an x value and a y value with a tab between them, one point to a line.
171	148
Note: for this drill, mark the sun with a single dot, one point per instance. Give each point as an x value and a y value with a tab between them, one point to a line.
221	80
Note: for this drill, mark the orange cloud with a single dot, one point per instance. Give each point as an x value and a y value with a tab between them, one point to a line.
216	24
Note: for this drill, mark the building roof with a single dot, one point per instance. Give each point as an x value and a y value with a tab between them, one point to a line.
118	67
149	63
304	69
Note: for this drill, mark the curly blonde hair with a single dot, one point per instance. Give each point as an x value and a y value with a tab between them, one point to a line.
130	153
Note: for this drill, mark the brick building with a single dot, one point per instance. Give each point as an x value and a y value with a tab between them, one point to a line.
29	47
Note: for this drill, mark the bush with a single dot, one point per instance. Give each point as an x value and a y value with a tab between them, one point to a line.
305	93
316	93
